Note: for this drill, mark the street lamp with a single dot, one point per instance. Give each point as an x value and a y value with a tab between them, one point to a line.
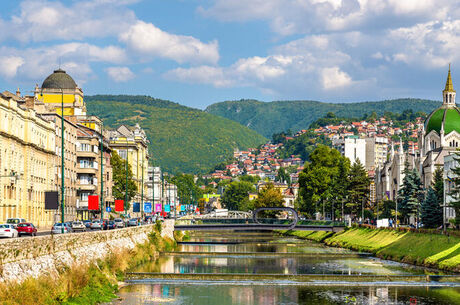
102	175
62	156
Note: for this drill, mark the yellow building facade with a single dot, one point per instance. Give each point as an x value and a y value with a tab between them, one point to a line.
132	143
27	163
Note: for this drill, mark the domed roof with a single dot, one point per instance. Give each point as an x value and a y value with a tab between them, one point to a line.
59	79
449	117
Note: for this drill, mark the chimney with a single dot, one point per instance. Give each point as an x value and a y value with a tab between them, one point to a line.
18	93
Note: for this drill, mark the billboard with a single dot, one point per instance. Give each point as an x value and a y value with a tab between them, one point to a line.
147	207
51	200
136	207
158	207
119	205
167	208
93	202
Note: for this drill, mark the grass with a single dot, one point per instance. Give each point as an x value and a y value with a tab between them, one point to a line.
85	284
432	250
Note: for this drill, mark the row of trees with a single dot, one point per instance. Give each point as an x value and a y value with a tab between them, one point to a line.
329	183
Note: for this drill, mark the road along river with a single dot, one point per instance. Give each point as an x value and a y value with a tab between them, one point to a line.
264	268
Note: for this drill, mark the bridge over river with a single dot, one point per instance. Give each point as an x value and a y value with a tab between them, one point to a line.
247	221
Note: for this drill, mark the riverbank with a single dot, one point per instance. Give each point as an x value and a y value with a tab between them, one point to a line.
423	249
87	283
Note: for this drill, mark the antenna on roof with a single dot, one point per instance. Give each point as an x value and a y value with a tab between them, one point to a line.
59	59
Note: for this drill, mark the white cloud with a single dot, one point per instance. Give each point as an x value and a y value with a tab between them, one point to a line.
10	65
333	78
288	17
151	41
120	74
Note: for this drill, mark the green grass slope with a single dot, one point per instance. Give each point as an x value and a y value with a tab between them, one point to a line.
182	139
277	116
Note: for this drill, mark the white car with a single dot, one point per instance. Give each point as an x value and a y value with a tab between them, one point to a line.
8	230
119	223
15	221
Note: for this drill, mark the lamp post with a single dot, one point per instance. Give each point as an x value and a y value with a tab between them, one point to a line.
126	170
62	157
102	176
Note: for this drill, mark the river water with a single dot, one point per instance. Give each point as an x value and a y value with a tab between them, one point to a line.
231	254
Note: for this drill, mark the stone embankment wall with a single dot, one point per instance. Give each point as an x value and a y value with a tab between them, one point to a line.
21	258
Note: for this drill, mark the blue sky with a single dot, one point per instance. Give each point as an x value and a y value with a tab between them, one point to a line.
200	52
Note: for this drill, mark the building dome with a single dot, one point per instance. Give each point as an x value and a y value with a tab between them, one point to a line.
443	117
59	80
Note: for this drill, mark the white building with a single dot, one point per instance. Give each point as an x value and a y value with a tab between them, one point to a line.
353	148
449	164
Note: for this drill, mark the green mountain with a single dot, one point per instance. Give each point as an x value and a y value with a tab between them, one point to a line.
182	139
269	118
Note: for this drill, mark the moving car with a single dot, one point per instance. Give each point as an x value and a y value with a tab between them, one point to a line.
119	223
78	226
96	224
133	222
26	228
8	230
87	223
15	221
57	228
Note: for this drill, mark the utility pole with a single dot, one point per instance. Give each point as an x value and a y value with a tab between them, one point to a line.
126	189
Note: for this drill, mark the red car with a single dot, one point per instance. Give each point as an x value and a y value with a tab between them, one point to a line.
26	228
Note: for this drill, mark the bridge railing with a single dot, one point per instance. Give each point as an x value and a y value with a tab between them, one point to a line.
308	222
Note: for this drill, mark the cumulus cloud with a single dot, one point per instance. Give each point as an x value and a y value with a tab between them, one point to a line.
120	74
333	78
10	65
151	41
288	17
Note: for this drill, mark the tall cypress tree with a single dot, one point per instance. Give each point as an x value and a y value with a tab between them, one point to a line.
410	194
358	187
438	184
431	211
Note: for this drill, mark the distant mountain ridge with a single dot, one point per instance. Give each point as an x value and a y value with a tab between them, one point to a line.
182	139
271	117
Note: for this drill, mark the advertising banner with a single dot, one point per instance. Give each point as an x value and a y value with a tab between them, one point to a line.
158	207
182	207
51	200
136	207
167	208
119	205
147	207
93	202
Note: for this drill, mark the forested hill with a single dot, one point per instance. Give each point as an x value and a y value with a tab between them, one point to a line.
182	139
277	116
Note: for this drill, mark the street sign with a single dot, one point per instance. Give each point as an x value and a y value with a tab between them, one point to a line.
147	207
108	209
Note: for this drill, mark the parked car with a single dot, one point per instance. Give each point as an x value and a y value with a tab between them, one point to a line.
87	223
96	224
15	221
133	222
8	230
119	223
26	228
111	225
78	226
57	228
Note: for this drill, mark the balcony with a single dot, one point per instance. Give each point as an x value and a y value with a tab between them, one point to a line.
87	187
87	154
87	170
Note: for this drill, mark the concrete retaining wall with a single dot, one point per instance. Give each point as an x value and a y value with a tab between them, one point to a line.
21	258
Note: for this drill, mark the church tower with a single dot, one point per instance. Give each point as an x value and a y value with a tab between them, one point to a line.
448	95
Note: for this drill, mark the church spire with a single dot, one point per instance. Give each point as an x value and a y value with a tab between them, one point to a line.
449	85
448	95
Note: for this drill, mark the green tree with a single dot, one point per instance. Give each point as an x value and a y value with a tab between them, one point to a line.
438	184
283	176
316	181
251	179
269	196
431	211
358	187
410	194
236	196
119	179
187	191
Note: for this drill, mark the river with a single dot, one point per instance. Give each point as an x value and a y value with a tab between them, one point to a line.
239	258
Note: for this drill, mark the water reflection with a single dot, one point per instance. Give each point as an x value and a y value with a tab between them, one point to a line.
235	294
258	292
